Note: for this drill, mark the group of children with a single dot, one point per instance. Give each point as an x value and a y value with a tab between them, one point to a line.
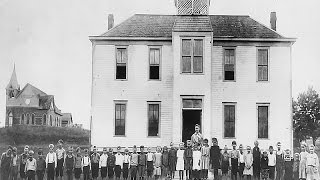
194	161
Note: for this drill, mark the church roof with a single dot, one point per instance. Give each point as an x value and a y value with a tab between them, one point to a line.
13	83
221	26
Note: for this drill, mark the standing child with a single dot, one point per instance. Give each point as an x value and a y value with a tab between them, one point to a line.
215	157
256	153
126	164
180	161
78	164
103	164
23	159
119	163
157	163
225	162
165	162
234	155
303	162
296	166
150	158
196	166
5	164
205	158
279	162
14	164
248	161
312	164
272	163
95	158
51	163
172	160
134	163
41	165
86	165
60	159
31	166
188	159
69	163
142	162
288	165
241	161
111	161
264	166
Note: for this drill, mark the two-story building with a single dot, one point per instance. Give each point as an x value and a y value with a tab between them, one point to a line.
155	76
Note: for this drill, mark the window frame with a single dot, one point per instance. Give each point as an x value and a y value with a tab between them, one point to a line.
257	118
44	119
115	62
22	122
192	38
235	63
159	123
115	102
160	62
257	64
235	119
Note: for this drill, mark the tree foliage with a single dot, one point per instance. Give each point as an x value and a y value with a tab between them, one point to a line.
306	115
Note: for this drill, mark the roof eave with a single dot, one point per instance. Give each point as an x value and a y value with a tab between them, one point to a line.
255	39
103	38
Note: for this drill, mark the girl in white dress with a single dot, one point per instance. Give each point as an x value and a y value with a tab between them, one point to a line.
248	160
196	162
180	161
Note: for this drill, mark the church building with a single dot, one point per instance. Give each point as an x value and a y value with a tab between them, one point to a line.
155	76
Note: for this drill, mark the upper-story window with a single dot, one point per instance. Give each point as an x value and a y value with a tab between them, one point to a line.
121	63
229	64
263	64
192	55
154	63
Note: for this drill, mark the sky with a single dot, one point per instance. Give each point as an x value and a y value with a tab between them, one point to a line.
48	41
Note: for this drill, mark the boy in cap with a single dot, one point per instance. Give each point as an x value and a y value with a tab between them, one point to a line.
51	163
5	164
31	166
126	164
69	163
188	159
14	165
41	165
172	160
78	164
134	163
205	159
241	161
60	159
165	162
23	159
288	165
256	160
103	163
234	154
86	165
280	162
95	158
111	161
215	157
142	162
119	163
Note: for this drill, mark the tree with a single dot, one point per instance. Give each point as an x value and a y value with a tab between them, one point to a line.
306	115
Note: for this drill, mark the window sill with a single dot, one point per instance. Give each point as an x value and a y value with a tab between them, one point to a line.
120	136
229	137
153	137
154	79
264	138
191	73
229	81
263	81
121	79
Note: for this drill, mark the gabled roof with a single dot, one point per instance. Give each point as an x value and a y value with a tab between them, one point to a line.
66	117
223	26
33	89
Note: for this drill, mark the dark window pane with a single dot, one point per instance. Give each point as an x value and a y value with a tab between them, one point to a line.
262	57
229	75
229	121
120	115
153	115
263	73
186	64
154	72
197	64
121	72
263	121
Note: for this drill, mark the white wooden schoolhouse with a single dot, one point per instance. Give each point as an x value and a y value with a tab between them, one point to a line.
155	76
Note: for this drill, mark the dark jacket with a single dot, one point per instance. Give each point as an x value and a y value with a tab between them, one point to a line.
215	156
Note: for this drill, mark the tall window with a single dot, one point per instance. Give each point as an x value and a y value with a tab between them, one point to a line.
229	120
32	119
263	118
120	118
154	63
263	57
192	55
22	119
229	64
50	123
28	119
44	119
10	118
153	118
121	63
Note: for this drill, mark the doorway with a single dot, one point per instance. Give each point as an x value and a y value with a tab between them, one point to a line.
189	119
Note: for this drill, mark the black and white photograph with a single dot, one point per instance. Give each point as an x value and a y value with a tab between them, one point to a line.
159	90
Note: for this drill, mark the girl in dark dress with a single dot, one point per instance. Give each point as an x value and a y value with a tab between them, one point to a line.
172	160
264	166
225	163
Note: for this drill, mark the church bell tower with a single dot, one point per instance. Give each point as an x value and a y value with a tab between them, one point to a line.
13	88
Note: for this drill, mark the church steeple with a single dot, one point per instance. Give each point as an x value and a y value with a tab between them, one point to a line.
13	87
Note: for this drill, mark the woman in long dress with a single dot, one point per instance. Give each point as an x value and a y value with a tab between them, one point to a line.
248	161
303	160
180	161
196	165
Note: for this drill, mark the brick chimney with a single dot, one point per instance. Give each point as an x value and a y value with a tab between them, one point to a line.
110	21
273	21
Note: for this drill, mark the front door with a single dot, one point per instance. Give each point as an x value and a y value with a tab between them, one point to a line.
190	119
